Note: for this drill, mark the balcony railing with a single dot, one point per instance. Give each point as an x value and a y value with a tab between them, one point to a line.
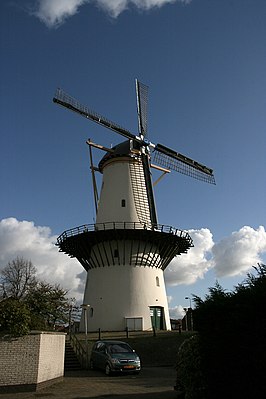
161	228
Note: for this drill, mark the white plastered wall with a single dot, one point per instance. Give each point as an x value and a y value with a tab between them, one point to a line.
119	292
117	186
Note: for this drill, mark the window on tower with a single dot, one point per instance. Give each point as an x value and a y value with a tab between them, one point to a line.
123	203
157	282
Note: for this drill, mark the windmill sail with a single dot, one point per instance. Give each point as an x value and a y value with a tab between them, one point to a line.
142	101
172	160
149	189
142	105
64	99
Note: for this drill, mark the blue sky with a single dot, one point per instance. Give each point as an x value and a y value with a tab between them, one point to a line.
204	62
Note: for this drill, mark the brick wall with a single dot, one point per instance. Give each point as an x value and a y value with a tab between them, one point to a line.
31	361
51	357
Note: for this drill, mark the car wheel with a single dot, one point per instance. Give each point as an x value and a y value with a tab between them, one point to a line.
108	370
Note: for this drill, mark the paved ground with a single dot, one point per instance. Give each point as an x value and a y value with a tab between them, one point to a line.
151	383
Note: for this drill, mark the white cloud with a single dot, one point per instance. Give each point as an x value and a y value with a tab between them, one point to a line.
35	243
54	12
188	268
116	7
113	7
177	312
235	255
232	256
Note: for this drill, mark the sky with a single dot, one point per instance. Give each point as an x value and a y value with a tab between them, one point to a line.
205	64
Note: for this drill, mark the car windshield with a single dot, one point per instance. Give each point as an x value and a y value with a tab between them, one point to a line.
119	348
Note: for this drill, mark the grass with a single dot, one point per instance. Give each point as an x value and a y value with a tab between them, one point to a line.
159	350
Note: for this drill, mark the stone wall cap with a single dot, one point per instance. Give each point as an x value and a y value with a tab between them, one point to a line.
39	332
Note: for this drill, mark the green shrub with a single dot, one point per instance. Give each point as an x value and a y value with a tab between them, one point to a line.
231	327
190	382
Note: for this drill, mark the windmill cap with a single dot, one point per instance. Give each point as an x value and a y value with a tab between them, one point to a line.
123	149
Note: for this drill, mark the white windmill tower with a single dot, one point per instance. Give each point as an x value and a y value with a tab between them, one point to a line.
126	251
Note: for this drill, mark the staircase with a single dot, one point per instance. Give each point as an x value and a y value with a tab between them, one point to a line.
71	360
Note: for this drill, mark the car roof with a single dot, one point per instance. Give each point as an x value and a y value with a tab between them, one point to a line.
110	342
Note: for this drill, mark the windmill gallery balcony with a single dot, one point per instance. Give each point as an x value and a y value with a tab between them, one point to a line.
120	243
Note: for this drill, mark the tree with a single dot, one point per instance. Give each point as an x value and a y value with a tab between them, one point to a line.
28	302
17	278
14	317
48	304
216	295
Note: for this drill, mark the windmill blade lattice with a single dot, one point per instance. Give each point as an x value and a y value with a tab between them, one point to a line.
142	103
67	101
172	160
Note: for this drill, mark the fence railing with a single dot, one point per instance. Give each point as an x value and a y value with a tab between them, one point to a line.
123	226
80	352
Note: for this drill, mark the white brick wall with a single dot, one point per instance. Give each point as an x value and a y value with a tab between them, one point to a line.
51	358
32	359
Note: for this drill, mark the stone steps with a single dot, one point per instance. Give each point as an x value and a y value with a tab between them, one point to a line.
71	360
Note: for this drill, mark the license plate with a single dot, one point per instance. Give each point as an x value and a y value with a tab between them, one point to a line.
129	367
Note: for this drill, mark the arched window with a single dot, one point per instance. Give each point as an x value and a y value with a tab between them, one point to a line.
157	282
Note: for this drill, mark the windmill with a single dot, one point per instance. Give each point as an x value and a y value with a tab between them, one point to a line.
126	251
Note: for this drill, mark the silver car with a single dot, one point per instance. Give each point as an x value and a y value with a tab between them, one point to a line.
114	356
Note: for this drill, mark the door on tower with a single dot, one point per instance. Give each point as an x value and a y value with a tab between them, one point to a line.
156	313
